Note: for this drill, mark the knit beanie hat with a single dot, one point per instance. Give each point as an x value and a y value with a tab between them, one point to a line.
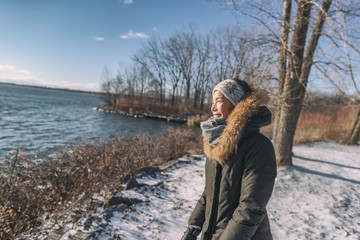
231	90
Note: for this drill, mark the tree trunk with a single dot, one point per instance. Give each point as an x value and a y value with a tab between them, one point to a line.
288	118
164	92
354	135
285	29
202	99
141	95
188	83
173	96
181	91
161	93
293	91
296	78
196	97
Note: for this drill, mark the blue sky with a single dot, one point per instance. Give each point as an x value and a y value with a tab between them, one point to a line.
67	43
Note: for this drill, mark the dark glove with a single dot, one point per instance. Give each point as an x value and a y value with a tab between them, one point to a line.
191	233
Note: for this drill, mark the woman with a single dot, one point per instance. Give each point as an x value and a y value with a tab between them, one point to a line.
240	168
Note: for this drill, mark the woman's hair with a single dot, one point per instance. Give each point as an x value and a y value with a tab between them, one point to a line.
243	84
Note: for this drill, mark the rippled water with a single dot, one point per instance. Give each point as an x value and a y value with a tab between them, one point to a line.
44	119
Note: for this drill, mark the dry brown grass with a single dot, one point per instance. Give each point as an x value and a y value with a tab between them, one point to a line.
194	121
323	118
31	189
330	124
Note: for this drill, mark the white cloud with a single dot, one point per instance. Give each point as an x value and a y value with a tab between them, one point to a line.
7	67
77	86
11	70
132	35
97	38
11	74
128	1
155	29
23	71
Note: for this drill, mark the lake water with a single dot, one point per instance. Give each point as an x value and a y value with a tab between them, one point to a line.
45	119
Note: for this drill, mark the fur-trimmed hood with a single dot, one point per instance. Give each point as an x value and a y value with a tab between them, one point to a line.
247	114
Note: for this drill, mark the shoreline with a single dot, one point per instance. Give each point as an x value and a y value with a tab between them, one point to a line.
142	115
75	178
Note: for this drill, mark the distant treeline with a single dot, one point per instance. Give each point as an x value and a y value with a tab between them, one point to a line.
54	88
184	67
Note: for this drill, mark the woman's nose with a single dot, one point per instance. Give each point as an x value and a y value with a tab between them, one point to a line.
213	107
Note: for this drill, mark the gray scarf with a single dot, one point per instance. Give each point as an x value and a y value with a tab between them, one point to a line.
212	129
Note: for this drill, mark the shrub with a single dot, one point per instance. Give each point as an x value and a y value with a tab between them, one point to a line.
33	189
194	121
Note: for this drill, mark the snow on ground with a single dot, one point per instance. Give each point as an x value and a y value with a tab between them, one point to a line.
317	198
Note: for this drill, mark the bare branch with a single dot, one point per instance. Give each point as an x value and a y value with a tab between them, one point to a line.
338	87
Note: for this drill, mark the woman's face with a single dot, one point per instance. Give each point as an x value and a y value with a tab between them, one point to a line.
221	106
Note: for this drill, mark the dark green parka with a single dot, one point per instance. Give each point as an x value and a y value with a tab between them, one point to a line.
239	177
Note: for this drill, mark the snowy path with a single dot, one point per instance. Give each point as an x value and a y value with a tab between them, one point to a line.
318	198
166	208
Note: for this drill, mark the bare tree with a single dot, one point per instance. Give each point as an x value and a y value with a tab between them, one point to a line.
112	86
303	31
203	68
106	85
188	63
117	85
239	53
142	80
173	66
151	58
341	71
131	79
231	53
195	62
183	47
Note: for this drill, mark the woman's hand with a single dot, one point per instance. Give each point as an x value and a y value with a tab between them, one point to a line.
191	233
